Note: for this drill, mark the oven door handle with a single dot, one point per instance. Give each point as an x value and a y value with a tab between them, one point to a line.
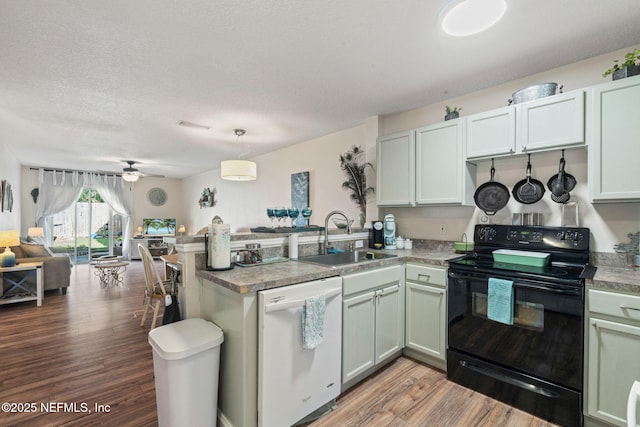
562	290
553	290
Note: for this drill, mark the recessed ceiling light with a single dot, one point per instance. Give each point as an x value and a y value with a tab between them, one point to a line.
192	125
467	17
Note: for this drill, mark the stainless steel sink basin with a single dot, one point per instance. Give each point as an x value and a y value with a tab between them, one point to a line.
343	258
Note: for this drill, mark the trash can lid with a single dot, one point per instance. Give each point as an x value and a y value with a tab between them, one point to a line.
185	338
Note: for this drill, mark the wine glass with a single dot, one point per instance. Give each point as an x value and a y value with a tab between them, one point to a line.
306	214
281	214
293	214
271	213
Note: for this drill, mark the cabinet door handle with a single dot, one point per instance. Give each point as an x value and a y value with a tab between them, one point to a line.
624	307
425	276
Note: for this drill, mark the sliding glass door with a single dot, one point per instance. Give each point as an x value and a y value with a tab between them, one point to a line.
88	229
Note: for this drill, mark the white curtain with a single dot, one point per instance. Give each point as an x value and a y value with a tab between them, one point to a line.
60	190
116	192
57	192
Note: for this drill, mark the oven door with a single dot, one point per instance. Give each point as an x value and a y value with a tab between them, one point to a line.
545	340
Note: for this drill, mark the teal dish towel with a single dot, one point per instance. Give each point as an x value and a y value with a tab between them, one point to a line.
313	322
500	300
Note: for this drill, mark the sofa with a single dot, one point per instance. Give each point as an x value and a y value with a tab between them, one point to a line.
56	270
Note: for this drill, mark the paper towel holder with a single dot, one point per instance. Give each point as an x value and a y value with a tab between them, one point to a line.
206	253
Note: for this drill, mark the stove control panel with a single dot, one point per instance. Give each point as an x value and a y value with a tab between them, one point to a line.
513	236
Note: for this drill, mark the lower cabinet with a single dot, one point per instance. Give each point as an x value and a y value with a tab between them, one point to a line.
613	350
426	314
372	321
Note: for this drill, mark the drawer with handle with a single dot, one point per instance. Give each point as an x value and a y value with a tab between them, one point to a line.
426	274
614	304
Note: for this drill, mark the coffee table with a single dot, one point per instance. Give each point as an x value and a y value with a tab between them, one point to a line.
109	272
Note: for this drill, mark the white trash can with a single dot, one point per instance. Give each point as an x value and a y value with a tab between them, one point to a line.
186	360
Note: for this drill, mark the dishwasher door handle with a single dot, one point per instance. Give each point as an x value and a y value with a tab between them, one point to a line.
277	306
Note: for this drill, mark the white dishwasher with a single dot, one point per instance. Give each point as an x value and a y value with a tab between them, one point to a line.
293	381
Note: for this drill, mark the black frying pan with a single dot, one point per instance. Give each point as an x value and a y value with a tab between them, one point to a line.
491	196
528	190
562	182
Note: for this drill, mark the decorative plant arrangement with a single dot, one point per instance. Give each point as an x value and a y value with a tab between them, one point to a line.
630	66
451	113
356	180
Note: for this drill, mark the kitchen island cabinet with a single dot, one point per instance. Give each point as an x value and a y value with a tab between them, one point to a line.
372	321
614	175
426	314
613	346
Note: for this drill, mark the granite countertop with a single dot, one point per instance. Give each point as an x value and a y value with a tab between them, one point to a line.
616	279
253	279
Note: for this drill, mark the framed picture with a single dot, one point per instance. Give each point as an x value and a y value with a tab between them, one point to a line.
2	184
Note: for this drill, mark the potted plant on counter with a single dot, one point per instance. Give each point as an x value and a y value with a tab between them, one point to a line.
630	66
356	179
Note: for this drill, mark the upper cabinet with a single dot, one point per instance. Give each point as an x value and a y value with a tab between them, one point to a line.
442	177
425	166
396	169
551	123
545	124
614	175
492	133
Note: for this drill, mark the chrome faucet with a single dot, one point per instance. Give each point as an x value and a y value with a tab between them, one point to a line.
326	227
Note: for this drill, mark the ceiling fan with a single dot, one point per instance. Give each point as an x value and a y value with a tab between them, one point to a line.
131	174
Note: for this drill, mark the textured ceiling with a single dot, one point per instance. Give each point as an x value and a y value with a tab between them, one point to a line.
87	83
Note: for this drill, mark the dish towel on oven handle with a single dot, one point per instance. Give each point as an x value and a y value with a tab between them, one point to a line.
313	322
500	300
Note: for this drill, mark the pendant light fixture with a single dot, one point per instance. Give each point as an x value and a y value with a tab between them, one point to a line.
468	17
238	170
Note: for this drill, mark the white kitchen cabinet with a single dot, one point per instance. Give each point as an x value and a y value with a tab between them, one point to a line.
372	321
491	133
396	169
549	123
614	175
613	322
426	314
442	175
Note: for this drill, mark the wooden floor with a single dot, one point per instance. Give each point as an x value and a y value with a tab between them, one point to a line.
87	348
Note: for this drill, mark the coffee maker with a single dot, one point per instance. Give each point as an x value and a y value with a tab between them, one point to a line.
389	231
376	235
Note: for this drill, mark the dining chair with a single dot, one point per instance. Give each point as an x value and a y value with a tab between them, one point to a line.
155	290
634	395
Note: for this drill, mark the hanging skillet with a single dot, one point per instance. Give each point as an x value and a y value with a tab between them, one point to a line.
491	196
562	182
528	190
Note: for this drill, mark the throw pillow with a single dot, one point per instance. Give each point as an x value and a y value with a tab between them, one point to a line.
32	251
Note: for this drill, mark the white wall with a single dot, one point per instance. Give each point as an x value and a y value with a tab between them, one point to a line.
244	204
10	171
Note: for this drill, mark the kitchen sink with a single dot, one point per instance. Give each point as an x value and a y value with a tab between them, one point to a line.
343	258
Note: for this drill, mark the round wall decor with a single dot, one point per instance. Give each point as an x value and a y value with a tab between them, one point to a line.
157	196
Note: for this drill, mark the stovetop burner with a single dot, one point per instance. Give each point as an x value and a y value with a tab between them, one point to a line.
569	249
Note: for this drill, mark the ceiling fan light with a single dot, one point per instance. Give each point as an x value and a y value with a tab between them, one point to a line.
238	170
130	176
468	17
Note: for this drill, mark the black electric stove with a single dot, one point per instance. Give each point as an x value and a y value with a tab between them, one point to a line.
534	361
568	249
